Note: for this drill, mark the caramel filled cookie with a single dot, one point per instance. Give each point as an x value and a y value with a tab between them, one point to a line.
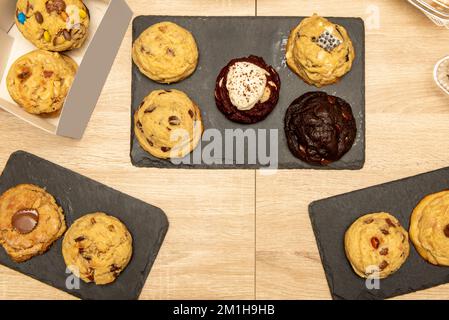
320	128
376	243
319	51
247	90
165	52
97	248
40	80
30	221
55	25
168	124
429	228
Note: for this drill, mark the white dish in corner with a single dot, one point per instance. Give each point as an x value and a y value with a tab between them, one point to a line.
441	74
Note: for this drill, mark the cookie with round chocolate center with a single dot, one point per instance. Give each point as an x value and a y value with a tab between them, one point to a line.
319	51
376	245
320	128
168	124
166	52
429	228
54	25
39	81
97	248
247	90
30	221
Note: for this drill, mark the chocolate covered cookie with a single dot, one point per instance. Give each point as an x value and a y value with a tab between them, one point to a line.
320	128
30	221
55	25
247	90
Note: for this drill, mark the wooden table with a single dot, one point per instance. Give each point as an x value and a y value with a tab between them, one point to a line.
240	234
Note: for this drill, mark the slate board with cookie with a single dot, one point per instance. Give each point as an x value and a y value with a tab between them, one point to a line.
77	196
332	217
220	41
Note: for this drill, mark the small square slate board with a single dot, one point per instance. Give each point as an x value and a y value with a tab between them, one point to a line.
78	195
332	217
221	39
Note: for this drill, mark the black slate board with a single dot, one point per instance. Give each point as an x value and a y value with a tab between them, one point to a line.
331	217
221	39
78	195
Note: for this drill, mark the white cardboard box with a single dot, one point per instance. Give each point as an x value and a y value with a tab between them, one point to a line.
109	20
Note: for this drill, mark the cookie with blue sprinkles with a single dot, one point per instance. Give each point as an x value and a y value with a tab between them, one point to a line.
53	25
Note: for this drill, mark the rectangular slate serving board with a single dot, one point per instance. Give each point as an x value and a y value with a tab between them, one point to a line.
221	39
78	195
332	217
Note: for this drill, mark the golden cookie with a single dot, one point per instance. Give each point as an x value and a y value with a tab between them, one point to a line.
319	51
55	25
166	53
30	221
40	80
376	243
429	228
168	124
97	248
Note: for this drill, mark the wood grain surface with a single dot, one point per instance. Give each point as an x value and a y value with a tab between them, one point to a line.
407	132
209	248
240	234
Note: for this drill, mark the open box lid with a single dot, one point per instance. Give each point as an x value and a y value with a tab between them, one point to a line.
6	20
93	72
94	67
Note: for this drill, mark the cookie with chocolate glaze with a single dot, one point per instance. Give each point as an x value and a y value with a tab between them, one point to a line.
54	25
247	90
320	128
30	221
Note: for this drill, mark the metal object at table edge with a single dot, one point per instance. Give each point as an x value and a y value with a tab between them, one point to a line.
435	74
440	18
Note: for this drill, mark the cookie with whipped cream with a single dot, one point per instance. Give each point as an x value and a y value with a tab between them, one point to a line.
247	90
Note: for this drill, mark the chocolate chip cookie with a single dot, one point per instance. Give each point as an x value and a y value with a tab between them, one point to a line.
30	221
376	244
40	80
319	128
55	25
247	90
429	228
319	51
168	124
97	248
166	52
